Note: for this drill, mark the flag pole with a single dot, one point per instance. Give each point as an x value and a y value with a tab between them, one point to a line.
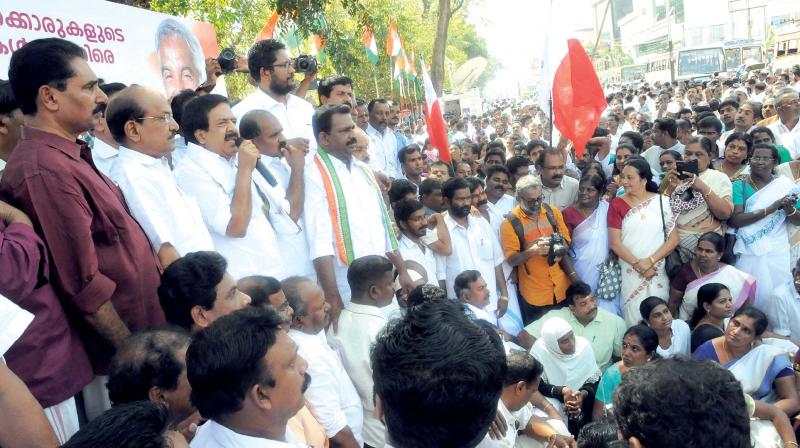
551	117
375	78
391	77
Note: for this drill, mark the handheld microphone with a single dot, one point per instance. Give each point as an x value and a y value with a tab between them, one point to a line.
261	168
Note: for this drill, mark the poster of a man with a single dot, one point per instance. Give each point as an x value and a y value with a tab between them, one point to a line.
180	57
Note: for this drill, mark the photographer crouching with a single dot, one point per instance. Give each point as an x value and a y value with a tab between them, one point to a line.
535	243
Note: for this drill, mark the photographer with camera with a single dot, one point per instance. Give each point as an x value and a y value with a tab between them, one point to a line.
273	69
535	241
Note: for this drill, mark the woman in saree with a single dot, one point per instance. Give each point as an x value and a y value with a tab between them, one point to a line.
641	232
639	345
570	373
738	149
586	221
764	205
706	268
791	171
674	336
765	371
714	309
702	202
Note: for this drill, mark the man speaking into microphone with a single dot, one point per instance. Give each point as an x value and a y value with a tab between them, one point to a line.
220	175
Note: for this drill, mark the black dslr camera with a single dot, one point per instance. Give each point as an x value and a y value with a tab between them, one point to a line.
558	248
227	60
305	64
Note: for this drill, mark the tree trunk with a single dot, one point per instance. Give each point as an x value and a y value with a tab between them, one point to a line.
439	44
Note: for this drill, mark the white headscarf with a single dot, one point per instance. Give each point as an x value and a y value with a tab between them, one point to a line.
561	369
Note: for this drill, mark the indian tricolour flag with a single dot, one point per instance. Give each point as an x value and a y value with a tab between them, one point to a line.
371	48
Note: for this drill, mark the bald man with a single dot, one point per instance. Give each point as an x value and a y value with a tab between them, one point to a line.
285	161
140	119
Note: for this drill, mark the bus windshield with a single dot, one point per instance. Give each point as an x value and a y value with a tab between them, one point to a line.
752	53
733	58
700	62
633	73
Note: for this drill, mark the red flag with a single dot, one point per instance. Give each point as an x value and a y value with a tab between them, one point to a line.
437	131
269	28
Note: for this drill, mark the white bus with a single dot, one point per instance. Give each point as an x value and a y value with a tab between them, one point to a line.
699	63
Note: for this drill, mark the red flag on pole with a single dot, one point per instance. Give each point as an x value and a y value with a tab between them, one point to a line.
437	131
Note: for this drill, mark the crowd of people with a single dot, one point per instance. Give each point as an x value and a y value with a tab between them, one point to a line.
291	269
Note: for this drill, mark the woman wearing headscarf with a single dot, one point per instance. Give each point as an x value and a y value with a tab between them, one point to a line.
570	371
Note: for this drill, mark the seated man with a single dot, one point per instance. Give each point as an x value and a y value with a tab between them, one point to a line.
151	365
266	291
196	290
519	387
783	307
372	284
438	377
248	394
705	406
602	329
332	396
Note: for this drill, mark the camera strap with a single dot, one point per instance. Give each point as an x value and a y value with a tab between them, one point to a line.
550	218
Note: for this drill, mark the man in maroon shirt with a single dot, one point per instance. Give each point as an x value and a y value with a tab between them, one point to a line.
104	270
48	357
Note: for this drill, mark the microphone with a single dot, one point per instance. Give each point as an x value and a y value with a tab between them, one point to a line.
261	168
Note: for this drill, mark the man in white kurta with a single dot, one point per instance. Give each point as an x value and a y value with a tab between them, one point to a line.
210	174
383	157
275	84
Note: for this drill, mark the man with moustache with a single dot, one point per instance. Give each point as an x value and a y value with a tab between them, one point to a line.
105	272
332	397
475	246
743	121
285	161
219	175
384	144
248	394
414	240
272	67
140	119
559	190
498	183
346	216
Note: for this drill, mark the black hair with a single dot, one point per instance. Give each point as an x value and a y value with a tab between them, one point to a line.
145	360
600	132
760	320
408	150
496	152
748	140
709	122
326	86
365	272
731	101
428	186
7	102
598	434
188	282
548	151
705	144
643	169
515	163
576	291
399	189
142	424
179	101
713	238
494	169
647	336
438	375
259	288
322	120
375	101
110	88
463	280
636	140
672	153
404	208
38	63
452	185
648	305
248	125
771	148
262	55
474	183
534	143
521	367
122	109
226	359
703	398
706	294
763	130
195	115
291	288
425	293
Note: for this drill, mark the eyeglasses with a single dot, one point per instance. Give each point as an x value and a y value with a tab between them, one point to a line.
285	65
761	159
166	118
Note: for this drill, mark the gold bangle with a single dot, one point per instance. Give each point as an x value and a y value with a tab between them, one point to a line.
708	192
794	210
572	273
503	299
790	442
651	259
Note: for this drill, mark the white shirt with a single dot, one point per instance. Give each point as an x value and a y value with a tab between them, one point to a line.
166	214
294	116
787	137
331	395
562	196
103	155
498	211
290	234
432	262
474	247
516	421
681	340
211	180
364	204
783	310
654	152
383	157
358	329
213	435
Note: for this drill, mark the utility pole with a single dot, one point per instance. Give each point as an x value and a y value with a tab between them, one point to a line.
669	38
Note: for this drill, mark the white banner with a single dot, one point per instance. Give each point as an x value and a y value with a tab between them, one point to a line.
123	43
